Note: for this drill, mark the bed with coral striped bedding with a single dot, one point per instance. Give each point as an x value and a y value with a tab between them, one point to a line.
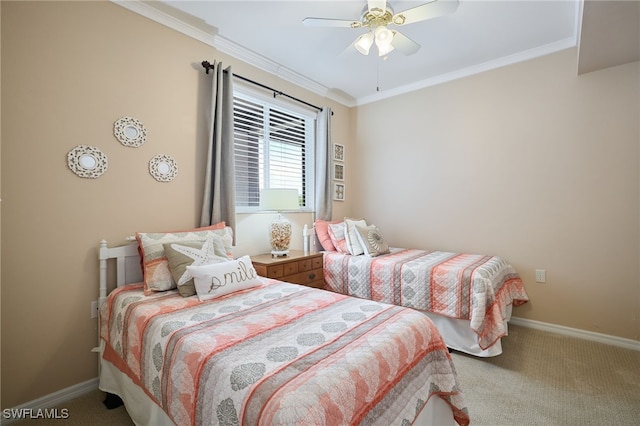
471	287
279	354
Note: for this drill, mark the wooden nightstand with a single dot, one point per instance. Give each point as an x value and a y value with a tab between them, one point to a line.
296	267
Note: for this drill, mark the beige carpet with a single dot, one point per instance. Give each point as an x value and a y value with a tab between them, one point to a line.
540	379
546	379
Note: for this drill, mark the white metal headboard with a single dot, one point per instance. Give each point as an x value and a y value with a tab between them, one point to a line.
128	269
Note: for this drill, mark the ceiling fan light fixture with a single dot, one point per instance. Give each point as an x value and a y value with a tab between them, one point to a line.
385	50
364	43
384	37
377	15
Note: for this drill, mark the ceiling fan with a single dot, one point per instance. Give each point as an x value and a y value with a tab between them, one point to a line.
378	15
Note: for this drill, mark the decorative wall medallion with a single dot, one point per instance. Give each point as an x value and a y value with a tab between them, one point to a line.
130	132
163	168
87	161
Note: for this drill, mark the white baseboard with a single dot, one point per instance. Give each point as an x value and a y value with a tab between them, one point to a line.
575	332
54	399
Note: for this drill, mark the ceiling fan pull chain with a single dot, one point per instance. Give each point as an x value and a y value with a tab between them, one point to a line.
378	74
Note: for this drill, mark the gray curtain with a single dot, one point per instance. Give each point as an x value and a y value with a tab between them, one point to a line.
323	190
218	203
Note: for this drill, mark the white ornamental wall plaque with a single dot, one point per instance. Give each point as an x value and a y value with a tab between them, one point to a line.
163	168
130	132
87	161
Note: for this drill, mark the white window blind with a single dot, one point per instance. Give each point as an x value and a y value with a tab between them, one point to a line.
273	149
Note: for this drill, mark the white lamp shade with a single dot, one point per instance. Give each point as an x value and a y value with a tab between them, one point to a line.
279	199
384	37
364	42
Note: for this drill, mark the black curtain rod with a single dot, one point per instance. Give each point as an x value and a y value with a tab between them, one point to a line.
207	66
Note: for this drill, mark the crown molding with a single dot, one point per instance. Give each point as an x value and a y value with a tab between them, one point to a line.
205	33
196	29
475	69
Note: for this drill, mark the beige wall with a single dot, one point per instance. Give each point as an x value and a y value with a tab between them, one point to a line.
69	70
530	162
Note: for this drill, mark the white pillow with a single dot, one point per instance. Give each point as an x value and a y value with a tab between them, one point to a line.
218	279
351	235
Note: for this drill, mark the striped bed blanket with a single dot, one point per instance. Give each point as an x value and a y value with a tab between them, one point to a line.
462	286
281	354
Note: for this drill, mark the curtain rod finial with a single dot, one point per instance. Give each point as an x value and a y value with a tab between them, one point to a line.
207	66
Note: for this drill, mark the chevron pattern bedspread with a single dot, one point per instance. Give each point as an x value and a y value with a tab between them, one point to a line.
279	354
463	286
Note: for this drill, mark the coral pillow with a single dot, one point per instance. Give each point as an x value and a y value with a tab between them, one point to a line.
322	231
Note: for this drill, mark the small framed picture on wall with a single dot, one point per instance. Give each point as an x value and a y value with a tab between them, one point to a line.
338	172
338	152
338	191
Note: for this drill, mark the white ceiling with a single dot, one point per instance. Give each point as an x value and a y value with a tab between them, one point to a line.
480	35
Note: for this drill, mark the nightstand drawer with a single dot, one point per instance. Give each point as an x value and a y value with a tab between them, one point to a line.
305	265
275	271
290	268
305	278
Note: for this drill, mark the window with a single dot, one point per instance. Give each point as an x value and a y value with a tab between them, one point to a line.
273	149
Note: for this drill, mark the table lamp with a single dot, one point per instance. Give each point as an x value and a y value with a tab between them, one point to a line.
279	199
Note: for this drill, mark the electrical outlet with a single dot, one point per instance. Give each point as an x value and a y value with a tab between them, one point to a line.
94	309
541	276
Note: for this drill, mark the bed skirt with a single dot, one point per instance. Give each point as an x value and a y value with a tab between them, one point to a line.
459	336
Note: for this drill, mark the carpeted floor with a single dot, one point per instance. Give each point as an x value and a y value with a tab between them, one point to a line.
547	379
541	379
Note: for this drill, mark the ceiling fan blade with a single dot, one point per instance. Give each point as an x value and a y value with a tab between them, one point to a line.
404	44
326	22
350	50
433	9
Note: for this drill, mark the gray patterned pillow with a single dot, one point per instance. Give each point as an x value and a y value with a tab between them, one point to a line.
372	240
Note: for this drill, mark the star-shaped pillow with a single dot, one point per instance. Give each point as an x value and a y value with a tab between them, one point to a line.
185	253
